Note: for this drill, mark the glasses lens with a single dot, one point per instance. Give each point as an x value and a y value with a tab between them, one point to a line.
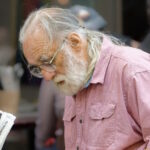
35	71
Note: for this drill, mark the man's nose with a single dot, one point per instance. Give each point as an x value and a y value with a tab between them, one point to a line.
48	75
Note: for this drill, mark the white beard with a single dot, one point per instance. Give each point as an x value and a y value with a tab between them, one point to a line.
74	78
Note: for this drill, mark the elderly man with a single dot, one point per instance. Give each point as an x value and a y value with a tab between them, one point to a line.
108	83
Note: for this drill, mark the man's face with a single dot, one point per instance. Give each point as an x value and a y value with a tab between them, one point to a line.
75	72
71	69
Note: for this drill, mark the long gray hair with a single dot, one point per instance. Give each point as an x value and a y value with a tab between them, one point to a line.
58	23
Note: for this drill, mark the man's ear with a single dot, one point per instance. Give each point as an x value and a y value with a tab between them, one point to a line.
75	41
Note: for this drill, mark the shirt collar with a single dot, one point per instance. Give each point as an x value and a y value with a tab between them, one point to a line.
102	63
88	83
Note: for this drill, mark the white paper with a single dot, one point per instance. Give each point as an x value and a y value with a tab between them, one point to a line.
6	123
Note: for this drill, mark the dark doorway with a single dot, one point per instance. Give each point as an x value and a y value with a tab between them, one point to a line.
135	23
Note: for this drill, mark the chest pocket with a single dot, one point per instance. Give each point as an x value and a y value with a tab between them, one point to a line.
101	112
69	119
102	125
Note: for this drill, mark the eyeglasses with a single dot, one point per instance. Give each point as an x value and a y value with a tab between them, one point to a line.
36	70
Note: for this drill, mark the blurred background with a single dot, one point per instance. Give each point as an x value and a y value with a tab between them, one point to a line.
19	91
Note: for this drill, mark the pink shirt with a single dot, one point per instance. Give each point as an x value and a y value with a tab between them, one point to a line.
113	113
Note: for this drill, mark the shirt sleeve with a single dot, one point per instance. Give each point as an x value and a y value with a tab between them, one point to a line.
138	99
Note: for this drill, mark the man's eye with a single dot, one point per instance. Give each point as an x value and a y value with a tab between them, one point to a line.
46	65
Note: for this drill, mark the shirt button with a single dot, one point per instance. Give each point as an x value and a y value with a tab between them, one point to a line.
80	120
77	147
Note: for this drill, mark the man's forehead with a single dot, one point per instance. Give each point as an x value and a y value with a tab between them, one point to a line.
36	46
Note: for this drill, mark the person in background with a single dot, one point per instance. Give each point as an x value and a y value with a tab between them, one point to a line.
107	83
91	18
5	48
49	125
94	21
